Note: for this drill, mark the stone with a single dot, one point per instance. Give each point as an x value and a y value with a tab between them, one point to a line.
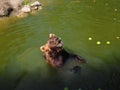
17	7
26	9
17	4
36	3
34	8
5	9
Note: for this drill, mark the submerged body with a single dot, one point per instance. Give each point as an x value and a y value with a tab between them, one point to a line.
55	54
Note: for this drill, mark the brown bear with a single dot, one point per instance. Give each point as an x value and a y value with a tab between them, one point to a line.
54	52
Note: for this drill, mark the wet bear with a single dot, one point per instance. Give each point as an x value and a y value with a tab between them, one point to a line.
55	54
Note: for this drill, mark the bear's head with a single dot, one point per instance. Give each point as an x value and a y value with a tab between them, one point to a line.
53	43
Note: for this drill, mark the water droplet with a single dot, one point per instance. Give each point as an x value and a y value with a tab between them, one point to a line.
89	38
108	42
79	89
118	37
66	88
98	42
115	9
99	89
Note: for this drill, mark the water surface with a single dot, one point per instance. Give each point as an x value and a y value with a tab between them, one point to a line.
90	28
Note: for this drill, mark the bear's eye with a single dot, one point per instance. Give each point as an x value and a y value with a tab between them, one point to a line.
59	41
52	43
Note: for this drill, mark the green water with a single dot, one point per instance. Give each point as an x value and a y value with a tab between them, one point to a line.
22	66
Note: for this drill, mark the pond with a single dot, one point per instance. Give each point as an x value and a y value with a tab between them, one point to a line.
90	28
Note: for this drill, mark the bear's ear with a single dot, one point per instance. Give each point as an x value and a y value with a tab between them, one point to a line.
51	35
42	48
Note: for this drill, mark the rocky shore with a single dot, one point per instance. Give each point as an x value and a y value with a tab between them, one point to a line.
18	7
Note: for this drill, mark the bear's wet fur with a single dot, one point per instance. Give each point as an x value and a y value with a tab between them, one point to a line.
55	54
